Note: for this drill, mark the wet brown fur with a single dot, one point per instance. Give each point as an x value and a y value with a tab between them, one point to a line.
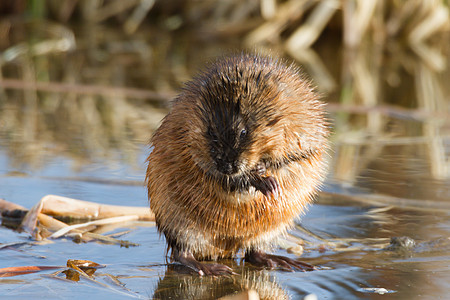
288	133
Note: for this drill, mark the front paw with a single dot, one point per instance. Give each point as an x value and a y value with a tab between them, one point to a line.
268	185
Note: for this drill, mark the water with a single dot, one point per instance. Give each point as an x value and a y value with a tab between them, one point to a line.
355	261
389	177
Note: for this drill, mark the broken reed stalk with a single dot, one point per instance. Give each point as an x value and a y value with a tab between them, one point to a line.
60	206
41	226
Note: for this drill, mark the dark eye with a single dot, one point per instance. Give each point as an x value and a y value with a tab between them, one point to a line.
243	133
213	135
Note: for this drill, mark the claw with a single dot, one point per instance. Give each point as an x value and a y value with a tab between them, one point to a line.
274	187
268	185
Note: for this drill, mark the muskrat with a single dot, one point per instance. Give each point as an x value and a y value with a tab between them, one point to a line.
236	160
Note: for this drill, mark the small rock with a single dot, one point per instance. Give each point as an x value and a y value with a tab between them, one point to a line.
402	243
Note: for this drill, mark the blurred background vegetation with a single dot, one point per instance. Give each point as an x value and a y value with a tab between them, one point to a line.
80	78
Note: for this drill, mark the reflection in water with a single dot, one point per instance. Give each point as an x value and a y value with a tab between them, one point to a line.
175	285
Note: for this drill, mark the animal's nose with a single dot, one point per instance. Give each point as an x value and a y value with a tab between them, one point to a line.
226	167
